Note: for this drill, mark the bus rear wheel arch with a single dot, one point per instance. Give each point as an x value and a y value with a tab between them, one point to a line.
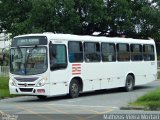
130	82
75	87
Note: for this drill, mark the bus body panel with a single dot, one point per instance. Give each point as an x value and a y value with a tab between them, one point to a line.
94	75
59	82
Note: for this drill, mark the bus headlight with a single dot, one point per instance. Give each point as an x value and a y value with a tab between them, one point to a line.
41	83
12	82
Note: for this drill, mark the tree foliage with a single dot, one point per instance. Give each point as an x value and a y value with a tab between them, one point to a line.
134	18
13	14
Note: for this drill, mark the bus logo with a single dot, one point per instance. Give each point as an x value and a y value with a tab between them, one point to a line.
25	85
76	69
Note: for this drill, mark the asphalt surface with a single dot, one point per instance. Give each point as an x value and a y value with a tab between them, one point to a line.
92	105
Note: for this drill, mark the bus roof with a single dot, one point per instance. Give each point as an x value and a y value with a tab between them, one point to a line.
67	37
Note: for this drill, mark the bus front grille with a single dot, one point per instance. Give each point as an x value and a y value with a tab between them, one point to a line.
26	85
26	89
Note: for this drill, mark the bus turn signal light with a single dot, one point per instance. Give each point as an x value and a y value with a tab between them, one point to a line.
40	90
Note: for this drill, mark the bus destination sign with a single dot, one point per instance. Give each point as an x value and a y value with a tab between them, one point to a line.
29	41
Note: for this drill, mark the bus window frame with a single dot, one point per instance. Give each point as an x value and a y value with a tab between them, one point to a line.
115	51
149	55
131	52
92	61
51	44
82	52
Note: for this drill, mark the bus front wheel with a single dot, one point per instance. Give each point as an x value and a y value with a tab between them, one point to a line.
74	88
129	85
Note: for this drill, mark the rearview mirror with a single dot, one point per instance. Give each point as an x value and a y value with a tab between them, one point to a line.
52	50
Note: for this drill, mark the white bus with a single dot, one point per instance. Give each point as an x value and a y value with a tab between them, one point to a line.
54	64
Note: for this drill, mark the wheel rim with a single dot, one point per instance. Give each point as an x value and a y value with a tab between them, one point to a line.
129	83
74	89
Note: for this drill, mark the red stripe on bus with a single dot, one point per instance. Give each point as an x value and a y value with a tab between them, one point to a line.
75	73
76	70
76	65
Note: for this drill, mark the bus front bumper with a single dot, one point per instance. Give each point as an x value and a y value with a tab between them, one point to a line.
44	90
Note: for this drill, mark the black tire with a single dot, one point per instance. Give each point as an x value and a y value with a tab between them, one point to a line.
74	88
41	97
129	85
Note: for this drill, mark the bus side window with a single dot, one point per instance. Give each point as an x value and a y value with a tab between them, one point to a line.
92	52
123	53
108	52
75	50
58	57
148	53
136	52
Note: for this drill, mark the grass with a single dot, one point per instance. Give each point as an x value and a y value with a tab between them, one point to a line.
4	90
150	100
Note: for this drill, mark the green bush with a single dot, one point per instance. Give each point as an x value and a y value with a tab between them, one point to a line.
158	57
4	82
4	90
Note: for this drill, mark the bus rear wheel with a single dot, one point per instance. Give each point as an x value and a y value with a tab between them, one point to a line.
74	88
129	85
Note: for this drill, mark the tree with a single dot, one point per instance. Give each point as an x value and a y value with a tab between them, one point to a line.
119	17
92	15
12	15
145	18
134	18
52	16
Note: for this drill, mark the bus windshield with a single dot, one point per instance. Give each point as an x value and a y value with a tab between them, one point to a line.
28	60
